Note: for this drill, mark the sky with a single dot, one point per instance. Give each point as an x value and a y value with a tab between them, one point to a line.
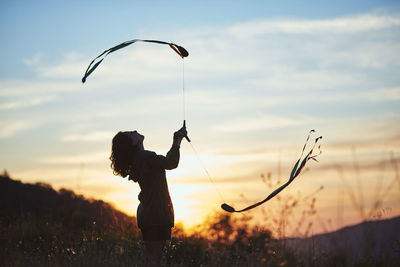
259	76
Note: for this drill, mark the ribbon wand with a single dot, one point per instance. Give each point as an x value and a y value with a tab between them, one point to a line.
184	126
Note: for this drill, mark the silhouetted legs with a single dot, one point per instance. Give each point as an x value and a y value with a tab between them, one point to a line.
153	252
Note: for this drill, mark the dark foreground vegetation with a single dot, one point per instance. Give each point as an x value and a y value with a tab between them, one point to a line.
44	227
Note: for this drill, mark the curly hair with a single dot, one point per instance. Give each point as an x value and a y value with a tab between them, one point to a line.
122	154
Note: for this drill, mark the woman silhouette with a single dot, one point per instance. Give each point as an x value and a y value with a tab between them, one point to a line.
155	213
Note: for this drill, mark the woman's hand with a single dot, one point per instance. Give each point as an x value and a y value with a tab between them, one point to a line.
179	135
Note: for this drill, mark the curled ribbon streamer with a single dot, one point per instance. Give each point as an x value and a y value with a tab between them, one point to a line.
182	52
294	173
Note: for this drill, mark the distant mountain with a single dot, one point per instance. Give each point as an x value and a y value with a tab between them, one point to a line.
41	202
368	239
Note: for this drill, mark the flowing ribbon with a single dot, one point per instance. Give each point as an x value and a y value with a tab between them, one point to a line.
182	52
295	172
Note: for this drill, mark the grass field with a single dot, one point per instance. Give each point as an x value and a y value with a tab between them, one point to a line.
43	227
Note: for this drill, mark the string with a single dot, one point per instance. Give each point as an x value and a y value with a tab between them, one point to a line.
191	144
206	171
183	90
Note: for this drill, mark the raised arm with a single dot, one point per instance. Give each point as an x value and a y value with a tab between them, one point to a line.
171	160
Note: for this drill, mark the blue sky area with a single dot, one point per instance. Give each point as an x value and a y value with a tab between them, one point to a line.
29	27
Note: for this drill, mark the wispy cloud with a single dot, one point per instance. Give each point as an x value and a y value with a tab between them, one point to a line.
71	66
19	89
254	123
9	129
26	102
343	25
34	60
307	80
95	136
75	159
384	94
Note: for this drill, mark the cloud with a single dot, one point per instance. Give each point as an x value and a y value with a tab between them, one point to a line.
76	159
255	123
371	143
35	60
315	79
10	129
71	67
26	102
95	136
384	94
64	176
36	88
344	25
136	64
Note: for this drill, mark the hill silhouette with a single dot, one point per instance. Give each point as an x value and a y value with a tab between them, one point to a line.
41	202
368	239
40	226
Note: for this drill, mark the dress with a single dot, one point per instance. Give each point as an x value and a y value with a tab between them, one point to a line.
155	209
